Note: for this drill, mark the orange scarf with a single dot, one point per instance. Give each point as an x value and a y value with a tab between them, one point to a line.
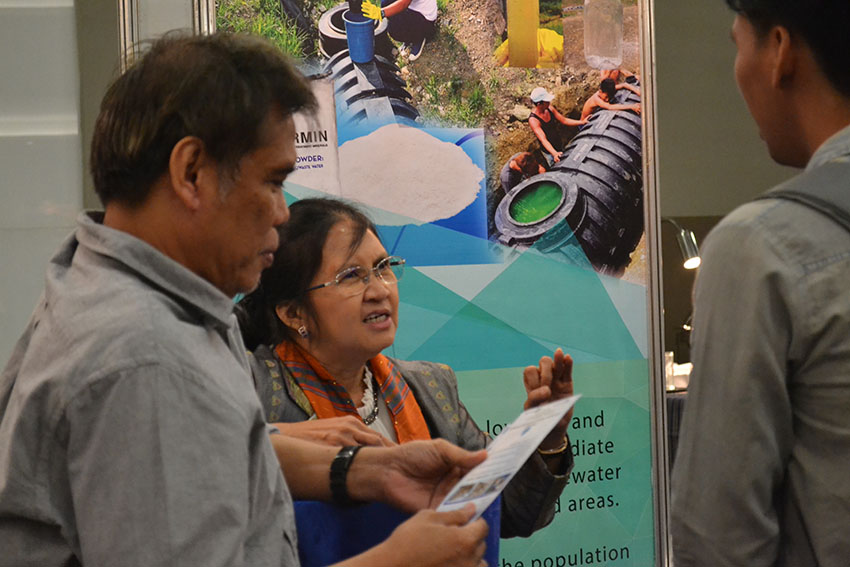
330	399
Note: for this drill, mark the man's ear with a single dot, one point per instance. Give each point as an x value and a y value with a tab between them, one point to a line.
291	315
189	170
783	48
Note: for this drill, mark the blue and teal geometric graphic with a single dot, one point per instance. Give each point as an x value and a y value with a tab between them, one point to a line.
488	311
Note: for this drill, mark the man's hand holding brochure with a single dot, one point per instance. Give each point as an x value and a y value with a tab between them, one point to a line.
506	455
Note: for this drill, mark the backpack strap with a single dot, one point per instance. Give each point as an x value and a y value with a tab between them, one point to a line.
825	189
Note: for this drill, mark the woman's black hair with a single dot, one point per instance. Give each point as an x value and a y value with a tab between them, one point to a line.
296	262
609	87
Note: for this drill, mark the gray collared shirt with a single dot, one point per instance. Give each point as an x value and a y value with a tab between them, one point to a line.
761	474
130	433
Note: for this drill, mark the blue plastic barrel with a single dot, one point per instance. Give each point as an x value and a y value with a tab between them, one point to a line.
360	33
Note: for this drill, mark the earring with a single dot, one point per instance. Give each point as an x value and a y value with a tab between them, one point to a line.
302	331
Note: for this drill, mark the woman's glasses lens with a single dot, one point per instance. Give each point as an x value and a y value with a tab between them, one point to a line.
352	277
390	269
355	279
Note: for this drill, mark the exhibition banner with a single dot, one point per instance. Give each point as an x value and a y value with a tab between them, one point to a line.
508	172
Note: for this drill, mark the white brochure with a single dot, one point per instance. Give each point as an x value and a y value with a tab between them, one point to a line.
505	455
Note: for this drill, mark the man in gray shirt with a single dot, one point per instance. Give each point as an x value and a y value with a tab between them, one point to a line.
761	475
130	433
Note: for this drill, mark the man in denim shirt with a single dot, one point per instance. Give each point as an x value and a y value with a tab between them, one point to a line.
761	475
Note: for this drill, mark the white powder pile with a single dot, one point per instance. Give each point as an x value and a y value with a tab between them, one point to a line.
406	171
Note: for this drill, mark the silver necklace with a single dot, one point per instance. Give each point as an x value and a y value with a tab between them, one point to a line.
373	415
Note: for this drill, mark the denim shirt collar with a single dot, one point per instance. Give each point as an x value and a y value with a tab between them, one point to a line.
834	148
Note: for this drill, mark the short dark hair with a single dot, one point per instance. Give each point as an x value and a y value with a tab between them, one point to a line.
609	87
822	24
528	163
296	262
220	88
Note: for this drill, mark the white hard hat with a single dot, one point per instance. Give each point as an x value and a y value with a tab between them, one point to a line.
539	94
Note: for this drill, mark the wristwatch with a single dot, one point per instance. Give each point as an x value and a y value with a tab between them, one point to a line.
339	474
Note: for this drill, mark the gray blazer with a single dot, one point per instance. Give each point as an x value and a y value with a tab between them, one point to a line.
528	502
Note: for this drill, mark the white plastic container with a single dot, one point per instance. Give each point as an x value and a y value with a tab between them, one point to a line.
603	33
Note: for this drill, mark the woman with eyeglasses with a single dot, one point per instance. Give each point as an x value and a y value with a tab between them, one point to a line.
316	326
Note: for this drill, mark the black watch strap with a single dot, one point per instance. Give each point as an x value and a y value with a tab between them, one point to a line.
339	474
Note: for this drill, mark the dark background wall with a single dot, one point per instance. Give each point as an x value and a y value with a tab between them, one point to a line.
678	283
710	156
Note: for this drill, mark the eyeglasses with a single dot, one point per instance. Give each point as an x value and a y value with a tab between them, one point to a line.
353	281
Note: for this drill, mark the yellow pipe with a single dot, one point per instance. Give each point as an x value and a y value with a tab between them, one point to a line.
523	21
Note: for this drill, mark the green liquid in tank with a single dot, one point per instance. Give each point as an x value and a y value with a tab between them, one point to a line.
536	203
